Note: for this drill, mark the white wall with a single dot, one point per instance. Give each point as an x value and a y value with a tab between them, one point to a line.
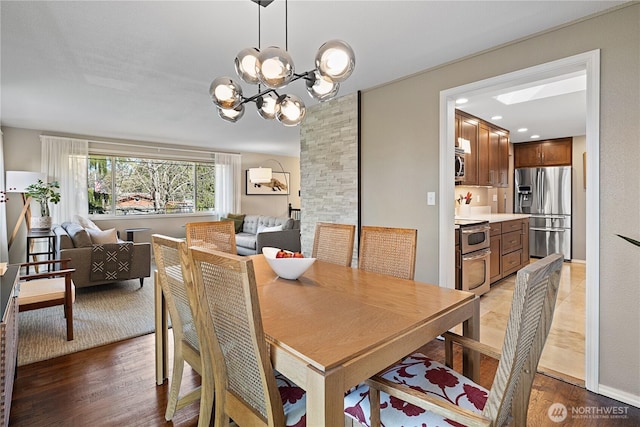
400	164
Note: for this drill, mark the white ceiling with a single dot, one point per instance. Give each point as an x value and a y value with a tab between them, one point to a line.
142	70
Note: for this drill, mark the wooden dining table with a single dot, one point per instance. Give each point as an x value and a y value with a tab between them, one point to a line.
336	326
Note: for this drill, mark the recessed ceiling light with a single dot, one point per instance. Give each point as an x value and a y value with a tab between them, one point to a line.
461	101
535	136
496	118
523	130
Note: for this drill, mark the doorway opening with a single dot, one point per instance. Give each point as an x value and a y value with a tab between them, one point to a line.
590	62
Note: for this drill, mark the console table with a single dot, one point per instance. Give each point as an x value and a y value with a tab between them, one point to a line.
8	339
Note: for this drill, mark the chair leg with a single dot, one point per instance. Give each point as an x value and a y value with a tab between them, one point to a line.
68	314
206	399
176	381
141	281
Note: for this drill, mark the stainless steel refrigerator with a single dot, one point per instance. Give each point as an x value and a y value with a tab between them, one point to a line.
545	193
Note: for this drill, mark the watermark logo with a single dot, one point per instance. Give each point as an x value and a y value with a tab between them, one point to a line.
557	412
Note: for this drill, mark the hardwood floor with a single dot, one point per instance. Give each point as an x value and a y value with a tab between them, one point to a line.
114	385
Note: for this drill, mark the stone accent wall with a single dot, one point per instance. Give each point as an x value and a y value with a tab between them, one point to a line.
329	167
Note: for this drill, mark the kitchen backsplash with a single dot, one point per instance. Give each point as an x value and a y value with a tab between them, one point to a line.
482	197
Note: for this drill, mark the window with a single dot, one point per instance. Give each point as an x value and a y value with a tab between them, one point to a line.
139	186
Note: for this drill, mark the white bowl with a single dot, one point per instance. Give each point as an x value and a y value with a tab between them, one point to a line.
287	268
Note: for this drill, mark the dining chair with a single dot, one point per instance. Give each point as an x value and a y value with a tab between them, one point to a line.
234	348
48	289
334	243
218	235
425	392
186	346
388	250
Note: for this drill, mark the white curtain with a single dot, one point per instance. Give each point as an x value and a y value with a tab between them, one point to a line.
4	251
228	183
65	160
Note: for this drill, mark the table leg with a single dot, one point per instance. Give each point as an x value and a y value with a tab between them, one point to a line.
161	324
325	398
471	358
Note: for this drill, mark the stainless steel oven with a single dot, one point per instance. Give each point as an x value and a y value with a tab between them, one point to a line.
474	256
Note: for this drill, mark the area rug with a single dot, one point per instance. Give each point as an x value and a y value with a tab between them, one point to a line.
101	315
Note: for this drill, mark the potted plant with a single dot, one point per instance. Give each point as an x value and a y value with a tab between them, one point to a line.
43	193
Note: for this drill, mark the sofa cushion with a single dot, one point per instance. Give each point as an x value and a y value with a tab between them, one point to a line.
78	235
102	237
246	240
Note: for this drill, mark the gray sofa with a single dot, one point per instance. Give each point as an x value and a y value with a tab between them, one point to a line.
74	243
250	242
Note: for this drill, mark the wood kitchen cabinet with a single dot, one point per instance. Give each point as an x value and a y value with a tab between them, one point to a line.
552	152
503	160
495	261
488	162
468	129
509	247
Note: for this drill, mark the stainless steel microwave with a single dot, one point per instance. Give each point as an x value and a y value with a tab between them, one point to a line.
459	168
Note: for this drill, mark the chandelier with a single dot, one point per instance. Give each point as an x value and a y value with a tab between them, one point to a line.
273	67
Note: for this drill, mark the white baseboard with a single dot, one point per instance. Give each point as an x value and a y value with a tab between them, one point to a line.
622	396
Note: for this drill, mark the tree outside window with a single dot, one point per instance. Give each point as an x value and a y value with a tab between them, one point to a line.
138	186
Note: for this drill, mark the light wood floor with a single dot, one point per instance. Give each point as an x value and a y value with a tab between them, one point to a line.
563	355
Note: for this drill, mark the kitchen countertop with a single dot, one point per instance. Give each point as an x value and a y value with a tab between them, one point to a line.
499	217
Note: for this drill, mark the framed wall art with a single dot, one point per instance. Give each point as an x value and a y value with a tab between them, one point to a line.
277	187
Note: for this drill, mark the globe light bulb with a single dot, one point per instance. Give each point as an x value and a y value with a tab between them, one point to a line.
245	64
225	93
335	60
290	110
321	88
231	114
274	67
267	106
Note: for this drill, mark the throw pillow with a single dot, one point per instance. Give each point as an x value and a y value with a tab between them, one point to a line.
79	235
101	237
85	222
239	220
263	229
237	223
236	216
